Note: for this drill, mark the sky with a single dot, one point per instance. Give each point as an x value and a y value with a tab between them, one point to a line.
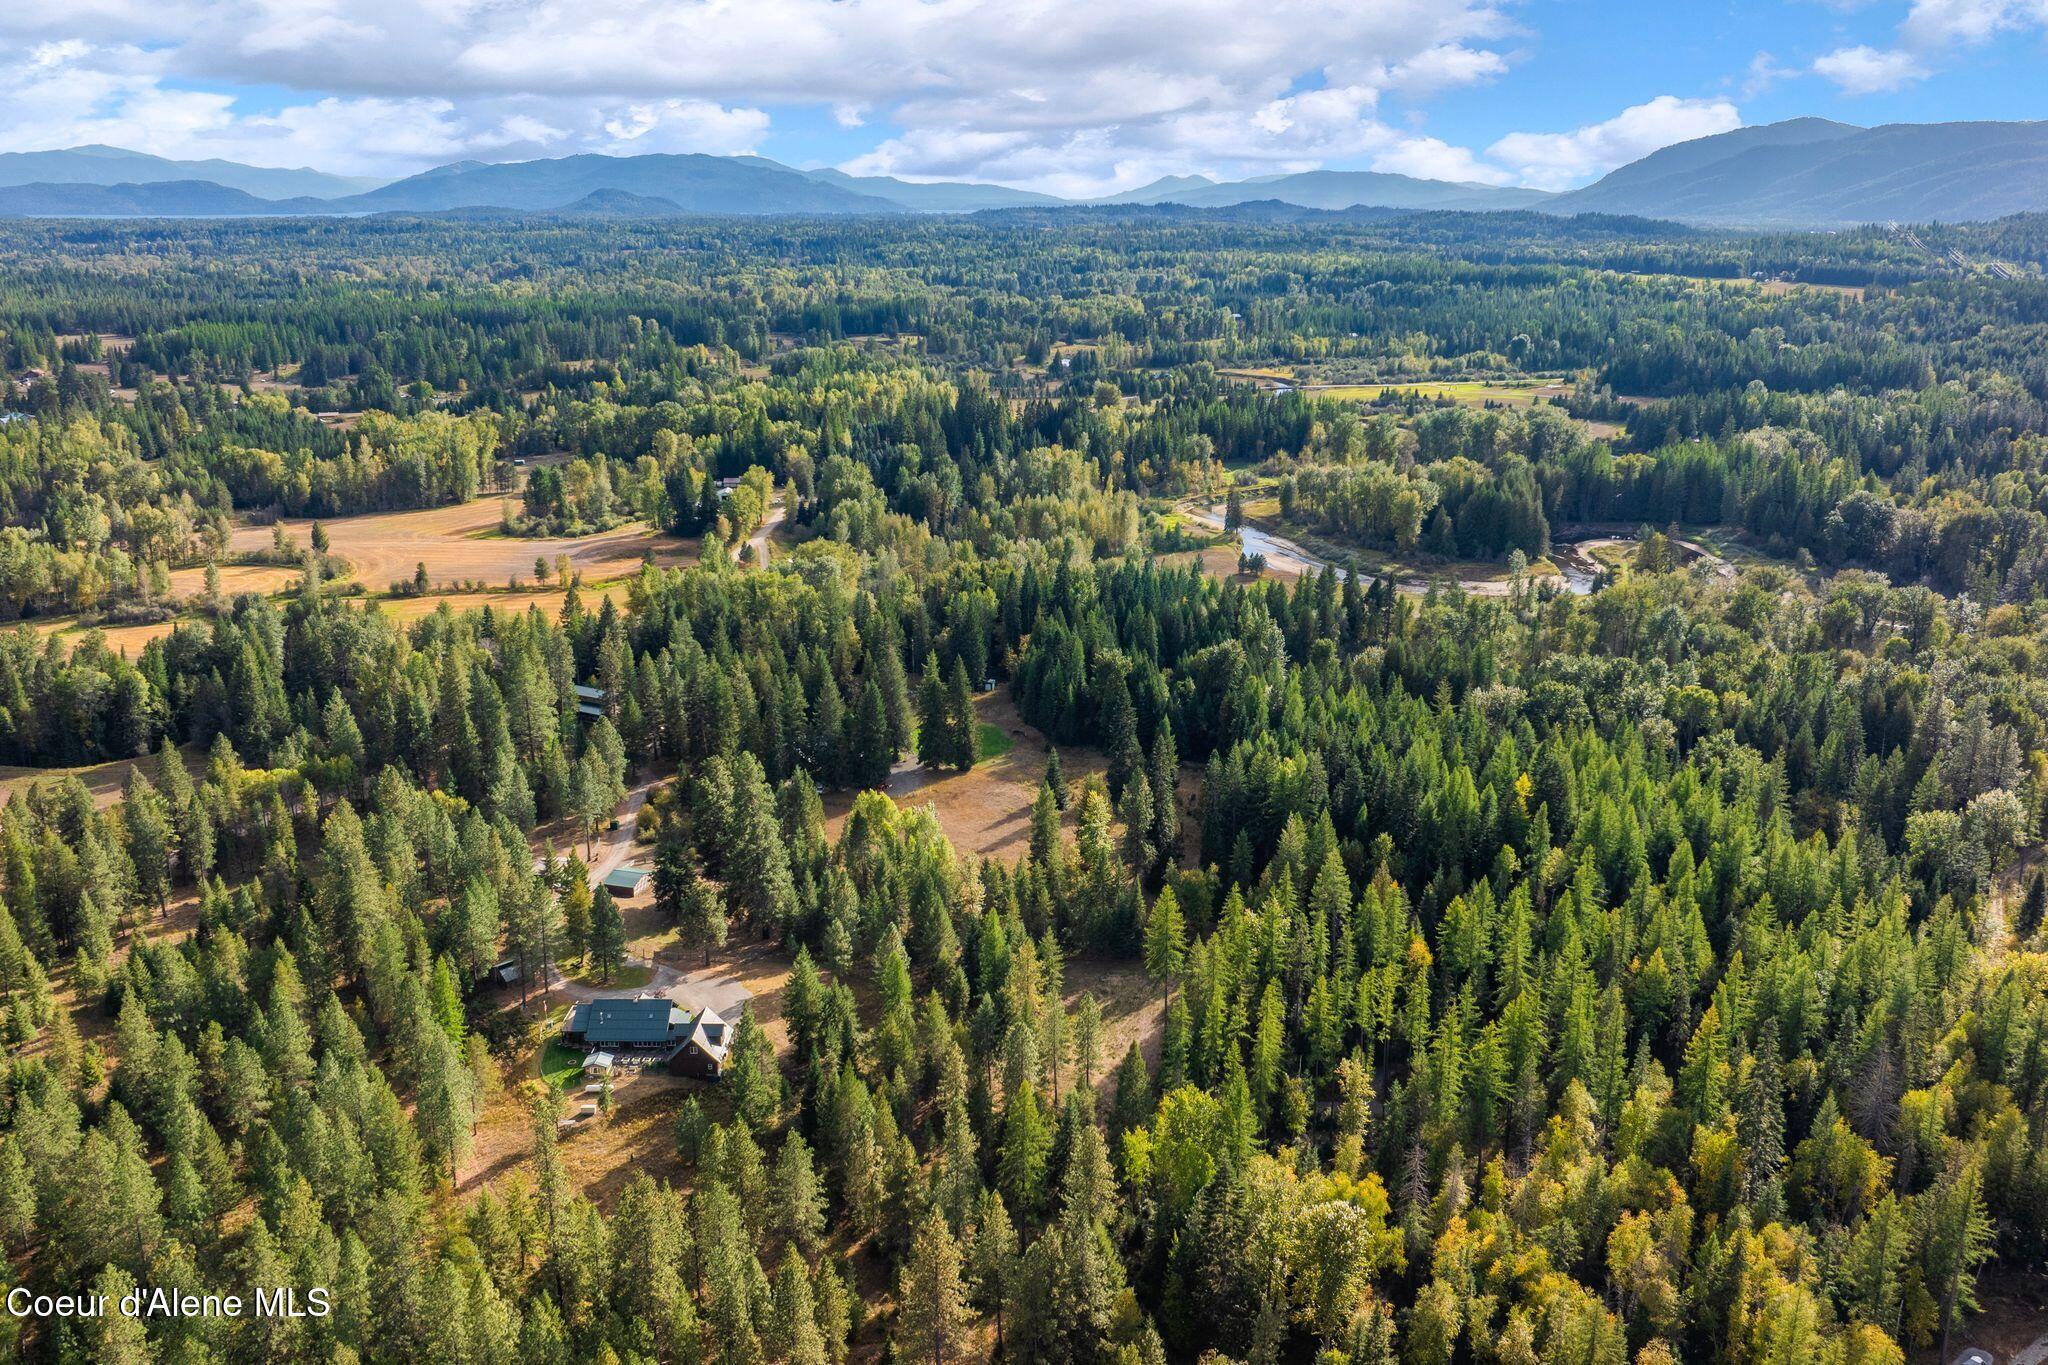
1073	97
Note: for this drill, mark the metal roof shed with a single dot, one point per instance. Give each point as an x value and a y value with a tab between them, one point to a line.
625	880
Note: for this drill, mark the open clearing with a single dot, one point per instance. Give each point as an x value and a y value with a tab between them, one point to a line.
103	780
458	545
987	809
1468	392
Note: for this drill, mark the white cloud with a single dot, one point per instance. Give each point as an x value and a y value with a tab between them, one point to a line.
1078	92
1864	70
1931	32
1557	160
1445	67
687	126
1940	23
1431	159
1765	71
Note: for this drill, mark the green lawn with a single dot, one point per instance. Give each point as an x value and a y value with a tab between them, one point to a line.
628	978
559	1066
991	741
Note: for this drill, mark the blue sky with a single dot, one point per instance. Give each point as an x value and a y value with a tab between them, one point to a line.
1074	96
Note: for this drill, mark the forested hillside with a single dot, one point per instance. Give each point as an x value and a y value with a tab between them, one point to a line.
1637	967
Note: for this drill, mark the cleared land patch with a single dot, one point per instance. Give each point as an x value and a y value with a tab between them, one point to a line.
456	545
987	809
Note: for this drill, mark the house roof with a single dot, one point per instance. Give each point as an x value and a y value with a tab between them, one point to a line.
625	878
588	693
711	1033
651	1019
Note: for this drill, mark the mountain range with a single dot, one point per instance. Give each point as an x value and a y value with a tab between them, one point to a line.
1813	173
98	165
1804	173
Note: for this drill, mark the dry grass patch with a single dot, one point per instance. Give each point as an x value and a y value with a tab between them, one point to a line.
987	809
457	546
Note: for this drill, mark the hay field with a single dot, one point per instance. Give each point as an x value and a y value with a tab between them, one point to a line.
460	544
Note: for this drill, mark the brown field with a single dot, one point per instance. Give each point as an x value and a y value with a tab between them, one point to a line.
235	579
132	640
127	640
103	780
459	544
986	810
1217	561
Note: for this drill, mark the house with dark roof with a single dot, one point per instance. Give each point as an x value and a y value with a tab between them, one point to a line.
703	1047
589	700
645	1023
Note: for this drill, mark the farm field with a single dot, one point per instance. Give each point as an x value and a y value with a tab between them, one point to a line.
1468	392
459	545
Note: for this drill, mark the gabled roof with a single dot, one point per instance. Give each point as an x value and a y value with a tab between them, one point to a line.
711	1033
625	878
587	693
650	1019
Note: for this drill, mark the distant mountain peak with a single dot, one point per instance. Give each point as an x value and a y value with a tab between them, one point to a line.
1815	173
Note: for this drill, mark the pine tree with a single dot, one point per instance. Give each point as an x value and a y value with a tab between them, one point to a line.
148	822
703	921
1165	943
934	735
962	726
1027	1144
607	934
1045	827
799	1199
795	1335
1164	775
1087	1037
872	754
935	1318
992	1259
1055	777
1955	1239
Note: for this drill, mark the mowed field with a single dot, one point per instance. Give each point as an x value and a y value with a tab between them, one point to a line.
1469	392
461	544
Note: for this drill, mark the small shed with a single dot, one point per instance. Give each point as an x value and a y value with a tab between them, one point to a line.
597	1063
589	700
625	881
506	973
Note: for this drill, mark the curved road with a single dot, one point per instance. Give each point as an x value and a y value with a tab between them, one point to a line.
1574	558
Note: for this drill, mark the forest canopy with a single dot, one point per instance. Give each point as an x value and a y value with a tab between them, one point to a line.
1643	965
